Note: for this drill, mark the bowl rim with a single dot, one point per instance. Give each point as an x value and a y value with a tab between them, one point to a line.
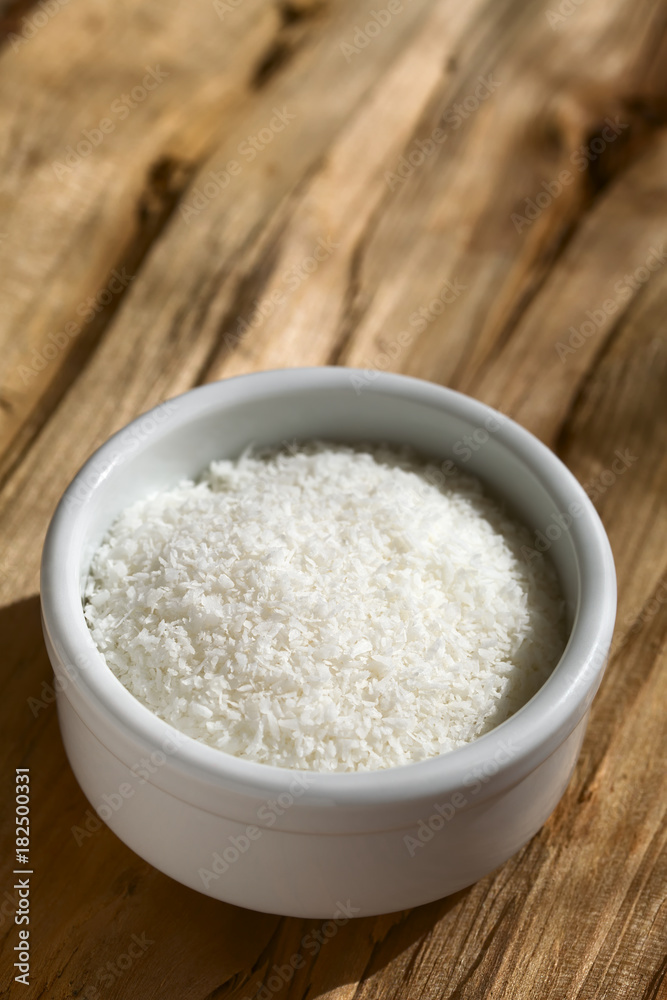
515	747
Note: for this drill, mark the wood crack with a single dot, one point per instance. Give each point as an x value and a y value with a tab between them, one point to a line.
488	940
653	990
647	115
544	266
612	335
166	181
353	309
600	748
350	315
249	288
11	16
266	247
291	35
231	985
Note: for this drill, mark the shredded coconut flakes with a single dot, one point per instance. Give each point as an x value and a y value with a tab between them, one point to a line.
326	608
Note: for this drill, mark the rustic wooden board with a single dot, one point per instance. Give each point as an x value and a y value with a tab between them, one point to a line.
558	319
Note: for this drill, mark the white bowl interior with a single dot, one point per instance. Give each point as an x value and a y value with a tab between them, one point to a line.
168	454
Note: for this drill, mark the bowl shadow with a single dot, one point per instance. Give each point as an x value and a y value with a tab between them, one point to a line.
108	920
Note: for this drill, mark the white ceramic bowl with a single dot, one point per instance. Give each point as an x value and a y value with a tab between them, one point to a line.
300	843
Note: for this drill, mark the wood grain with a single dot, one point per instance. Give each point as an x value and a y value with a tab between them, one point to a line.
559	320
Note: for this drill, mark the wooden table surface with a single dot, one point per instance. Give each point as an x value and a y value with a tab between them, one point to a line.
470	192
